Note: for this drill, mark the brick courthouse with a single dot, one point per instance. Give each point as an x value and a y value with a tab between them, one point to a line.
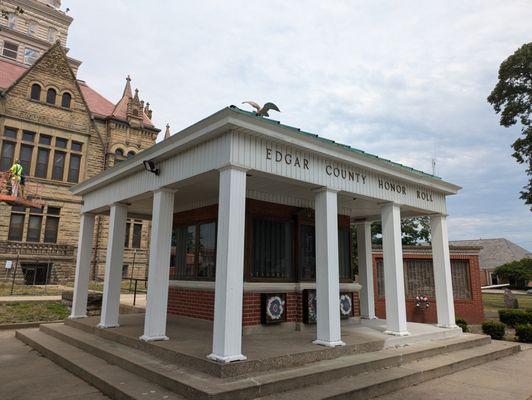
62	131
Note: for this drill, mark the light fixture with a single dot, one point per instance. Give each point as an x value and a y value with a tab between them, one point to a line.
149	166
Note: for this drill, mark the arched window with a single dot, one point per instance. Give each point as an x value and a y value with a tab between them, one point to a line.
65	100
36	91
119	155
130	154
52	35
32	28
51	94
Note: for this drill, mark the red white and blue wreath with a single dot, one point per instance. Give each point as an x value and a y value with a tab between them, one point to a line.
275	307
346	304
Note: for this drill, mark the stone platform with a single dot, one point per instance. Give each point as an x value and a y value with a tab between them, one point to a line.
280	364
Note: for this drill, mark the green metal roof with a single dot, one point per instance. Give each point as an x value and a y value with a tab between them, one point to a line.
329	141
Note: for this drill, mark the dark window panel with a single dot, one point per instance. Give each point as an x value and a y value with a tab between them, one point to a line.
460	278
76	146
45	139
59	165
128	230
51	96
66	99
50	230
34	228
36	92
73	168
10	50
207	251
137	236
272	249
53	210
344	259
307	252
41	169
60	142
7	155
26	152
185	261
16	227
28	136
10	133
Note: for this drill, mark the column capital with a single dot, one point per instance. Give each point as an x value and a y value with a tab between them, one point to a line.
165	190
325	189
233	166
119	205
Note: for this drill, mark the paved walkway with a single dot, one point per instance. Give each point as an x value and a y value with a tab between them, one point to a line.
26	375
509	378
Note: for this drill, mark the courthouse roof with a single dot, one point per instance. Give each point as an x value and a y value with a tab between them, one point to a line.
495	252
97	103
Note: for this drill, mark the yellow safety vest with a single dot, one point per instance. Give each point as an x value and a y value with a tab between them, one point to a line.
16	169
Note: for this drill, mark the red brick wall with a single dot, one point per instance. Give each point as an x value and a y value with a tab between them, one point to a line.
200	304
471	310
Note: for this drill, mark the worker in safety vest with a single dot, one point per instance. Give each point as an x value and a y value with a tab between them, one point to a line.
16	176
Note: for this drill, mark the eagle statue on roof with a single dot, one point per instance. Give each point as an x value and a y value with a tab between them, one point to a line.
262	111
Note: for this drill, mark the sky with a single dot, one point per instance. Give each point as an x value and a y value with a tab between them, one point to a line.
405	80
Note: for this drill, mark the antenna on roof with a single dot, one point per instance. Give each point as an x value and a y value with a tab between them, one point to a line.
434	160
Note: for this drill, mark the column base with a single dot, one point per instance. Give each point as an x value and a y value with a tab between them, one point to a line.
226	359
396	333
328	343
103	326
145	338
77	316
445	326
374	317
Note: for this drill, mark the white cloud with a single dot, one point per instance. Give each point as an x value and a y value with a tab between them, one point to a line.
397	79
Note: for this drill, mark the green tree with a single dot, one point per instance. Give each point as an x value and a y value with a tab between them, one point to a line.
413	231
512	98
518	273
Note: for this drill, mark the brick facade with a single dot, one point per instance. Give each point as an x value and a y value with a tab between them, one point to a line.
471	310
107	133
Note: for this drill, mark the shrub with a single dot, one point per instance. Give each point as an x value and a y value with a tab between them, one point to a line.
495	329
523	333
513	318
462	323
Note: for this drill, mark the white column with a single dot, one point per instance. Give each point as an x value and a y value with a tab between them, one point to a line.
443	282
394	286
365	270
83	261
327	269
229	287
113	266
160	248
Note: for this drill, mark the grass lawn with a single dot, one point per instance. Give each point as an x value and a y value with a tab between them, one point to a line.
494	302
98	286
28	290
11	313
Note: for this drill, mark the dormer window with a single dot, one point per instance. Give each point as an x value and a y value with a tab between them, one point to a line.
30	56
35	92
11	20
10	50
51	95
52	35
66	100
32	28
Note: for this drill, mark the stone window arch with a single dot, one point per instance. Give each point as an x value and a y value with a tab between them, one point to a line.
66	100
130	154
35	92
51	96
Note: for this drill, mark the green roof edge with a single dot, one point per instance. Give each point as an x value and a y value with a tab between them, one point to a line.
329	141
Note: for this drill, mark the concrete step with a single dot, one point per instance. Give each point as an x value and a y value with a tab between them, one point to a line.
376	383
112	380
197	385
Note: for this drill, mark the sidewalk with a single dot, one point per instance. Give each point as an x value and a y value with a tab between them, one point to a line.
509	378
27	375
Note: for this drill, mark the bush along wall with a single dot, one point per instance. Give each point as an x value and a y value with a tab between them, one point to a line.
513	318
495	329
523	333
462	323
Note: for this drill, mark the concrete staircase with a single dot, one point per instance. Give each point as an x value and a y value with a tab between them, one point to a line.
123	372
